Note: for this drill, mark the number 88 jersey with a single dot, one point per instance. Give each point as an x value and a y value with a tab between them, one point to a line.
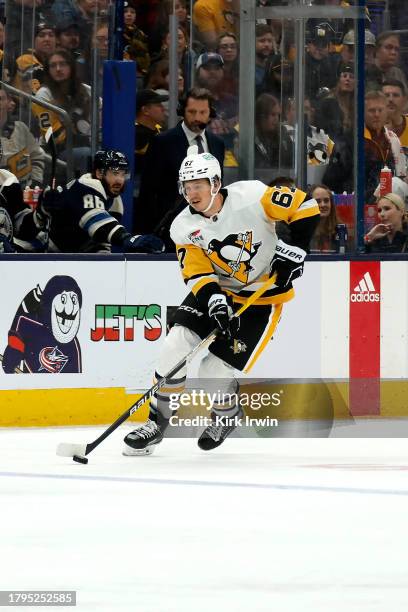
235	247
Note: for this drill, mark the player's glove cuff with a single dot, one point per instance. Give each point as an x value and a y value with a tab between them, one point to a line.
287	263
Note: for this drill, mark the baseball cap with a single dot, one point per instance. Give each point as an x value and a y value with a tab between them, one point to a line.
43	25
148	96
321	34
67	24
345	67
208	58
349	38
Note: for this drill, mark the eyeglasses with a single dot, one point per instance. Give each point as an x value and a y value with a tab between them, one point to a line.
231	46
324	200
62	64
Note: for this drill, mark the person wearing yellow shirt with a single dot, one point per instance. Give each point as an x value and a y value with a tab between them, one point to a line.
213	18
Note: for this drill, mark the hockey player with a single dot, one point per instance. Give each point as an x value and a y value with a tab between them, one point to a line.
85	217
21	227
227	247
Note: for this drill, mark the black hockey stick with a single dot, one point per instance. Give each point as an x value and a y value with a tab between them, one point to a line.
78	451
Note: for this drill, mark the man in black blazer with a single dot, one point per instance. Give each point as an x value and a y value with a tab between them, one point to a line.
159	200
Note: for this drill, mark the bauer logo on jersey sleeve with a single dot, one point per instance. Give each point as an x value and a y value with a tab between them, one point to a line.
233	254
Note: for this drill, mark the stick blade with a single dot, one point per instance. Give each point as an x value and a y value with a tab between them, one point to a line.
48	134
65	449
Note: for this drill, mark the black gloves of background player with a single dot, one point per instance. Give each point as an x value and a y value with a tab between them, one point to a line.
287	262
220	314
50	201
144	243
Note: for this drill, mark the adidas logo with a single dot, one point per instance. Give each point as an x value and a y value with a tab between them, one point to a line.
365	290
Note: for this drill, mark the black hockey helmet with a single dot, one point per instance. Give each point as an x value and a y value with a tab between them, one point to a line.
110	159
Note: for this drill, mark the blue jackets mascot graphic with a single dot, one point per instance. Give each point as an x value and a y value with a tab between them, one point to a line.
42	338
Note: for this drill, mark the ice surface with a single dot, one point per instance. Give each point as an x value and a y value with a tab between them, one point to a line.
282	525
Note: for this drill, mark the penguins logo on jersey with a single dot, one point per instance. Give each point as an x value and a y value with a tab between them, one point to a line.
234	254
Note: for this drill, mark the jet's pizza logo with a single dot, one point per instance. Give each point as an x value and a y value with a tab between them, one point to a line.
365	290
234	254
115	322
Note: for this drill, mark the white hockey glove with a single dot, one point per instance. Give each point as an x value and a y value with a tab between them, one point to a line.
287	263
220	314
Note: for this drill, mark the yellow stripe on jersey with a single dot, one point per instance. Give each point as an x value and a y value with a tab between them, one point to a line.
265	300
309	208
196	267
266	337
286	204
195	288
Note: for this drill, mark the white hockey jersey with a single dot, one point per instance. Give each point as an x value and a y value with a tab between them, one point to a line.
235	247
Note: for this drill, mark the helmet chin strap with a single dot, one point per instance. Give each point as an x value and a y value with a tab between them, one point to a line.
213	194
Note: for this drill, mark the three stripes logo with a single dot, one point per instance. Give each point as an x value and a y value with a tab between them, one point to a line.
365	290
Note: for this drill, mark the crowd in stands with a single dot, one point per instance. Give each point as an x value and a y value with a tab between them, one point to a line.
55	48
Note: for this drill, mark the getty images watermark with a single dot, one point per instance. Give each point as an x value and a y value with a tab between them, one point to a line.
204	399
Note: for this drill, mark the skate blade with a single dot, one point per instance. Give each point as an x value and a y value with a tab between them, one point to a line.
141	452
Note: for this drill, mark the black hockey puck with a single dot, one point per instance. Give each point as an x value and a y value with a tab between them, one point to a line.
80	459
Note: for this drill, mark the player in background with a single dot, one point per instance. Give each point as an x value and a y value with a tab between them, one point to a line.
21	227
227	247
86	216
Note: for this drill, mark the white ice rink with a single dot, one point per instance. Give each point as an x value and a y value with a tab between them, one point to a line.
283	525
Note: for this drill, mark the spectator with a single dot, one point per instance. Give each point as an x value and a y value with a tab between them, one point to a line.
213	18
228	49
347	51
273	144
397	120
387	57
399	21
22	17
147	15
150	118
265	46
186	57
30	65
136	42
338	26
382	146
279	75
63	89
20	152
318	67
324	238
83	12
162	23
159	195
390	235
158	79
68	37
336	111
97	52
210	75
